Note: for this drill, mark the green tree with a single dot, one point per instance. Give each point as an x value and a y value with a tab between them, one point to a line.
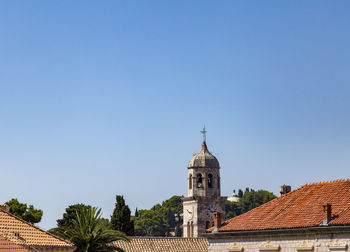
172	210
88	233
240	193
249	200
120	219
178	231
150	223
232	209
21	210
254	199
70	214
161	220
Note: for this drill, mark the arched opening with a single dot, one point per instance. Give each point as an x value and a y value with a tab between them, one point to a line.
192	228
218	182
199	181
188	229
210	181
190	182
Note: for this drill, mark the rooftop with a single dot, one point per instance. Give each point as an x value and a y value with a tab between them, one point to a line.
18	231
164	244
203	159
300	208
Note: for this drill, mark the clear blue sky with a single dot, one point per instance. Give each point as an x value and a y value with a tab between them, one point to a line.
99	98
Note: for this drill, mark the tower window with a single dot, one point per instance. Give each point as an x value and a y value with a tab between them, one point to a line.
199	181
192	229
210	181
207	224
188	229
190	182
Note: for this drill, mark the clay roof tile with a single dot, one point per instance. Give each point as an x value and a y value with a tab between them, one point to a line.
302	207
164	244
21	232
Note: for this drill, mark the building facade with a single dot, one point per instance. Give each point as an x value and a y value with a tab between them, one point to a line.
203	193
313	218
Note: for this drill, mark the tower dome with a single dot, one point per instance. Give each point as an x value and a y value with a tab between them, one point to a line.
203	159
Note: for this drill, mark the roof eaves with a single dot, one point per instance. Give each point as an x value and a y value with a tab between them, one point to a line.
286	231
61	239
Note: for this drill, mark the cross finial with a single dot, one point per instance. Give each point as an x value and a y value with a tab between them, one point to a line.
204	132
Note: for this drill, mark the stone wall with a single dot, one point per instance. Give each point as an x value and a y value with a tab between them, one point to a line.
331	242
199	207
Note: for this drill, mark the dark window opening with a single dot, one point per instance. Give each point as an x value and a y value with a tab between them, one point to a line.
188	229
199	181
207	225
210	181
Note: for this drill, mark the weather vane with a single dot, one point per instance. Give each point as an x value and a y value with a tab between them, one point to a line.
204	132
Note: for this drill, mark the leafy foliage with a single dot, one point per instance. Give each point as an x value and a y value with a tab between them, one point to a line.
120	219
248	200
88	232
21	210
160	220
70	214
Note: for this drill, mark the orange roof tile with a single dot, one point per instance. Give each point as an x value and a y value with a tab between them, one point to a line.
20	232
164	244
7	245
302	207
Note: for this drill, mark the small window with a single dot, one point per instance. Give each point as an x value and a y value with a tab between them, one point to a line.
190	182
188	229
192	228
210	181
207	224
199	181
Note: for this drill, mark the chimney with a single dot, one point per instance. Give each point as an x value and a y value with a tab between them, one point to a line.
217	220
4	207
327	209
285	189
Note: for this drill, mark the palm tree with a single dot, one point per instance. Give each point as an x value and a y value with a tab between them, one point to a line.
89	234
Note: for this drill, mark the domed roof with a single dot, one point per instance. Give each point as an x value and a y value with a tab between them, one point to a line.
234	197
203	159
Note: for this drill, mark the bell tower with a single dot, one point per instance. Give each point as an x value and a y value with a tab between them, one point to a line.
203	192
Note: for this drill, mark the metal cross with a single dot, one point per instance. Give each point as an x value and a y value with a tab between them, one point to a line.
204	132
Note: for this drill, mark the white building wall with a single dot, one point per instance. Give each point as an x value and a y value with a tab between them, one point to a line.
307	243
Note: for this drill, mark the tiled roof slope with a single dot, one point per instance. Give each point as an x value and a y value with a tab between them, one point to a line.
164	244
7	245
302	207
20	232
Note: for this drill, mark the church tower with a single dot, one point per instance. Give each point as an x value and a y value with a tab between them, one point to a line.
203	193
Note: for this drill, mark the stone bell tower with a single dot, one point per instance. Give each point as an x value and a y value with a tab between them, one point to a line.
203	193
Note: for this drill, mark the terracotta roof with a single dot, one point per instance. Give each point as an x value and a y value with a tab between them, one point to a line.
22	233
302	207
7	245
164	244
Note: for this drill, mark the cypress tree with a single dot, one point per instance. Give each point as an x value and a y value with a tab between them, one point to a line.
120	219
240	193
